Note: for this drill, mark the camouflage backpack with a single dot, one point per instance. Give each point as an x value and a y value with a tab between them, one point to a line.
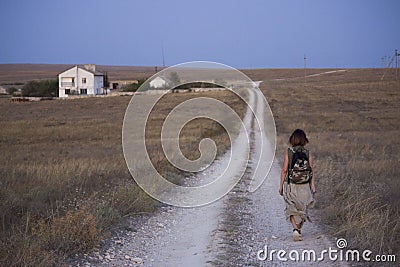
299	169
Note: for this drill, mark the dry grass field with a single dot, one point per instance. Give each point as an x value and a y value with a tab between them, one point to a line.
64	181
352	119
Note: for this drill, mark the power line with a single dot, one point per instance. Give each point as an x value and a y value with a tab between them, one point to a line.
163	58
305	68
393	59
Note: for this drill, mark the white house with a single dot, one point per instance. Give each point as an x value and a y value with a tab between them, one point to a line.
80	81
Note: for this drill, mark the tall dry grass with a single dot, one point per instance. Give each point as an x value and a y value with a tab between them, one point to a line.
63	179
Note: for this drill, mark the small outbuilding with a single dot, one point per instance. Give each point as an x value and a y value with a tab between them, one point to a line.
159	83
3	90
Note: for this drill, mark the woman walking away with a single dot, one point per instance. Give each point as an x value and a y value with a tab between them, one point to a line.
297	184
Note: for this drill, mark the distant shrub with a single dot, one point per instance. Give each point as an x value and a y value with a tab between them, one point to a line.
198	85
133	87
13	83
41	88
175	78
12	90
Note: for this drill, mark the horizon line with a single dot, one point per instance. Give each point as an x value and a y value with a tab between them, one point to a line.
162	67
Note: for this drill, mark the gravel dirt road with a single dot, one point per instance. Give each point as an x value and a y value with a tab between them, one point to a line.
228	232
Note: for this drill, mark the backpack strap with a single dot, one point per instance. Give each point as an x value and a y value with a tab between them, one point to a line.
290	158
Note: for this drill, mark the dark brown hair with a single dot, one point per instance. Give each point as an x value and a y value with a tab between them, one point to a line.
298	138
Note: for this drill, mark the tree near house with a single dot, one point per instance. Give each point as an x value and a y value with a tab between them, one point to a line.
12	90
47	88
174	77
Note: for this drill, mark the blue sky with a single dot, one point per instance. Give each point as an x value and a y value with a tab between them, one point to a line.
242	34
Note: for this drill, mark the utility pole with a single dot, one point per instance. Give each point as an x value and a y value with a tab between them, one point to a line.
397	62
305	68
163	59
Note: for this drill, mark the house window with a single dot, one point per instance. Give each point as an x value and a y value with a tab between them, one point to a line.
67	91
83	91
83	80
67	82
